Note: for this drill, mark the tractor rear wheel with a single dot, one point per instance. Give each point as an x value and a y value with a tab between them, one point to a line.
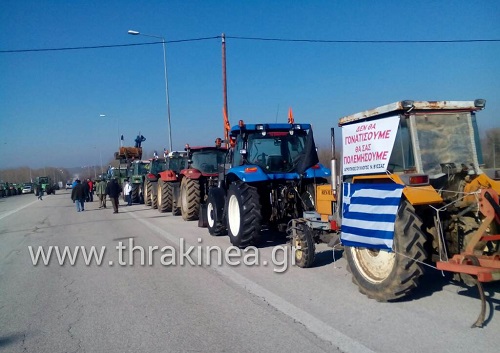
244	219
190	199
164	195
303	246
386	276
147	193
154	194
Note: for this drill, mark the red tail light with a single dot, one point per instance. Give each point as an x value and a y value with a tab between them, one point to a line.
419	180
250	170
316	166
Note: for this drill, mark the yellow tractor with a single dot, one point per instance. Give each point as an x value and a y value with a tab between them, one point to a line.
411	190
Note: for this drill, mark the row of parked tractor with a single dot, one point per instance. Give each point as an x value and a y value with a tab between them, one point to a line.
10	189
40	183
425	155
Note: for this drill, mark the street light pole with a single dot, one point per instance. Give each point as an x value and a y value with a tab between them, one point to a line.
117	128
135	33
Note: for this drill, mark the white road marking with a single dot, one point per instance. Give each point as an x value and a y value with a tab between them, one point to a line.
313	324
16	210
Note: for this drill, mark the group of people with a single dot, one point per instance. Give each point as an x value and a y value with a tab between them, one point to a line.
83	192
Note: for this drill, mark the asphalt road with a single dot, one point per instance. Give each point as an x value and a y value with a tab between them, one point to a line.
123	306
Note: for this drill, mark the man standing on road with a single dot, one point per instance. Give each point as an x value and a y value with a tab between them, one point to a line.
100	191
91	189
127	189
113	190
78	196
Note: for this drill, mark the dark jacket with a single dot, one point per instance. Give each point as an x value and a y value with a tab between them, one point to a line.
78	193
113	189
86	189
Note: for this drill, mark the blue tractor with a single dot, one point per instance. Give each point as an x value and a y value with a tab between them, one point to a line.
269	179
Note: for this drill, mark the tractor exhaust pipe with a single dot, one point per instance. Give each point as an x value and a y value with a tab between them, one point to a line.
333	164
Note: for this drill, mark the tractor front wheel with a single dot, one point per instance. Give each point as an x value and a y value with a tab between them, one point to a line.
383	275
164	195
244	218
154	194
135	193
190	199
215	210
147	193
303	246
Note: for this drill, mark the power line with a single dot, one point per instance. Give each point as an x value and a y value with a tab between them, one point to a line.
105	46
321	41
364	41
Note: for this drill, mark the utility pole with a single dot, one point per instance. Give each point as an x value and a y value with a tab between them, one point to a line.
224	92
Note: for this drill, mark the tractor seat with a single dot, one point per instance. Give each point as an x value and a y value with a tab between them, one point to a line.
275	163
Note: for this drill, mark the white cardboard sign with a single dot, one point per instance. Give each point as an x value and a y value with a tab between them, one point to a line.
367	146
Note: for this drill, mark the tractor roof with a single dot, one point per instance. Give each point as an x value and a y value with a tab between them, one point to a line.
235	130
409	106
206	148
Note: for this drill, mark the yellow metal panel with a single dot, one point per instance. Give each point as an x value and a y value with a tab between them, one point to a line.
416	195
324	207
325	193
422	195
324	199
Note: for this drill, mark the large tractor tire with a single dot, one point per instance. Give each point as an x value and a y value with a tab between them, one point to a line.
215	210
304	246
147	193
190	199
164	195
154	195
386	276
176	210
244	219
135	193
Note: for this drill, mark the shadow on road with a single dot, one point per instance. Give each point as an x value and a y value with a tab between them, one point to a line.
327	257
11	339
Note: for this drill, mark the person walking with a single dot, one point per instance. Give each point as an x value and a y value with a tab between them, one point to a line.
91	190
40	193
100	191
78	196
113	189
127	190
85	187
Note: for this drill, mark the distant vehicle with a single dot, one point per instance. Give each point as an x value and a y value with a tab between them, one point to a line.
27	188
69	185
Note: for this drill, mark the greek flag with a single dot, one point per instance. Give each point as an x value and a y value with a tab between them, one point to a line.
369	213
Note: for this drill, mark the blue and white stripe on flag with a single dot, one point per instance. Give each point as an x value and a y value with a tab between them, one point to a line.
369	213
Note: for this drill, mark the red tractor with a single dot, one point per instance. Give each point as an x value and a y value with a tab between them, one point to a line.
201	174
155	167
167	179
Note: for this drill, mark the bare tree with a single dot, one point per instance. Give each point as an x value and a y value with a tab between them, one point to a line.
491	148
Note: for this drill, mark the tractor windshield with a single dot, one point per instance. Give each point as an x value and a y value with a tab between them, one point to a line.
158	166
208	161
44	180
445	141
176	164
142	168
118	173
276	151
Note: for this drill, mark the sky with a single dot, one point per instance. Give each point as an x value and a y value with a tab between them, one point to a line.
51	102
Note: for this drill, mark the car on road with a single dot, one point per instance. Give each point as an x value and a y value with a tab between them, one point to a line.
69	185
27	188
